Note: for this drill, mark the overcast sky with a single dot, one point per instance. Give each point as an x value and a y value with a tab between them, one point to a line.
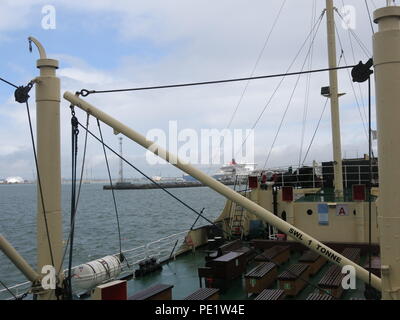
106	44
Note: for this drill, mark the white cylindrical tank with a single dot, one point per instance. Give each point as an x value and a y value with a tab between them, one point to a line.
93	273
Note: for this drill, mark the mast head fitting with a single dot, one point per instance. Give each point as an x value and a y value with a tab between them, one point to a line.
361	71
21	93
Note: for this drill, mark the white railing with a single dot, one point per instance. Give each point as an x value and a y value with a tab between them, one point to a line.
160	249
316	178
18	290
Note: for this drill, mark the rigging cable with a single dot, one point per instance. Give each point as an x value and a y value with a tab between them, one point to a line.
78	195
74	150
9	83
40	184
307	92
85	92
256	64
352	85
291	96
354	92
369	16
112	189
12	293
315	132
360	43
151	180
22	96
316	26
252	73
354	61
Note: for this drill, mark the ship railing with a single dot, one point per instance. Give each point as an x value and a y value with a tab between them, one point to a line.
317	178
18	290
160	249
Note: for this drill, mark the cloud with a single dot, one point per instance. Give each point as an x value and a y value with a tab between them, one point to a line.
158	42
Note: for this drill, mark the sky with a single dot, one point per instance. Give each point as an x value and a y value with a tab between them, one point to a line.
106	44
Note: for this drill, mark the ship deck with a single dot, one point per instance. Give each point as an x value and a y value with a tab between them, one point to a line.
182	273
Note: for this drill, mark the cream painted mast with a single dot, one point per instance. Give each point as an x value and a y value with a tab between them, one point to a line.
227	192
387	75
49	163
334	96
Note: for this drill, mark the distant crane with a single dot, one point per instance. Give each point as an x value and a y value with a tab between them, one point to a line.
121	172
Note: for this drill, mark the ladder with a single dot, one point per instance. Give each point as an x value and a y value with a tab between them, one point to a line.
237	215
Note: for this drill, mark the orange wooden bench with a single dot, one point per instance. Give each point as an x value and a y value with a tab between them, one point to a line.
204	294
261	277
276	254
271	294
157	292
314	260
331	282
318	296
352	254
293	279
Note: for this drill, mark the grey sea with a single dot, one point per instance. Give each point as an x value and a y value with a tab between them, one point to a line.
145	216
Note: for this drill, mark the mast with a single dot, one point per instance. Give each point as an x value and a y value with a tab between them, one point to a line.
121	173
49	166
252	207
386	46
334	96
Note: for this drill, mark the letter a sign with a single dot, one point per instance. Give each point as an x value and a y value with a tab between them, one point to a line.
342	210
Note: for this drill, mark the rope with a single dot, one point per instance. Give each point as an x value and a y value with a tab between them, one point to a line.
292	94
307	92
85	92
369	16
360	43
354	92
83	161
9	83
352	84
257	62
111	185
252	73
8	290
354	60
317	24
21	96
315	132
77	198
74	150
152	181
39	182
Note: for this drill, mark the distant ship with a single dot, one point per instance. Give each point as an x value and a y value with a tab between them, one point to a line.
229	171
12	180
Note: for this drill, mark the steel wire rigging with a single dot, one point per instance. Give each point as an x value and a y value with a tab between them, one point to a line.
21	95
308	55
308	84
252	73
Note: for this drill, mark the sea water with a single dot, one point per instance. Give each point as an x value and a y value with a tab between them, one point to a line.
144	216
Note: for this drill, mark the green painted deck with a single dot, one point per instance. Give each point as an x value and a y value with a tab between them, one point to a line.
182	273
